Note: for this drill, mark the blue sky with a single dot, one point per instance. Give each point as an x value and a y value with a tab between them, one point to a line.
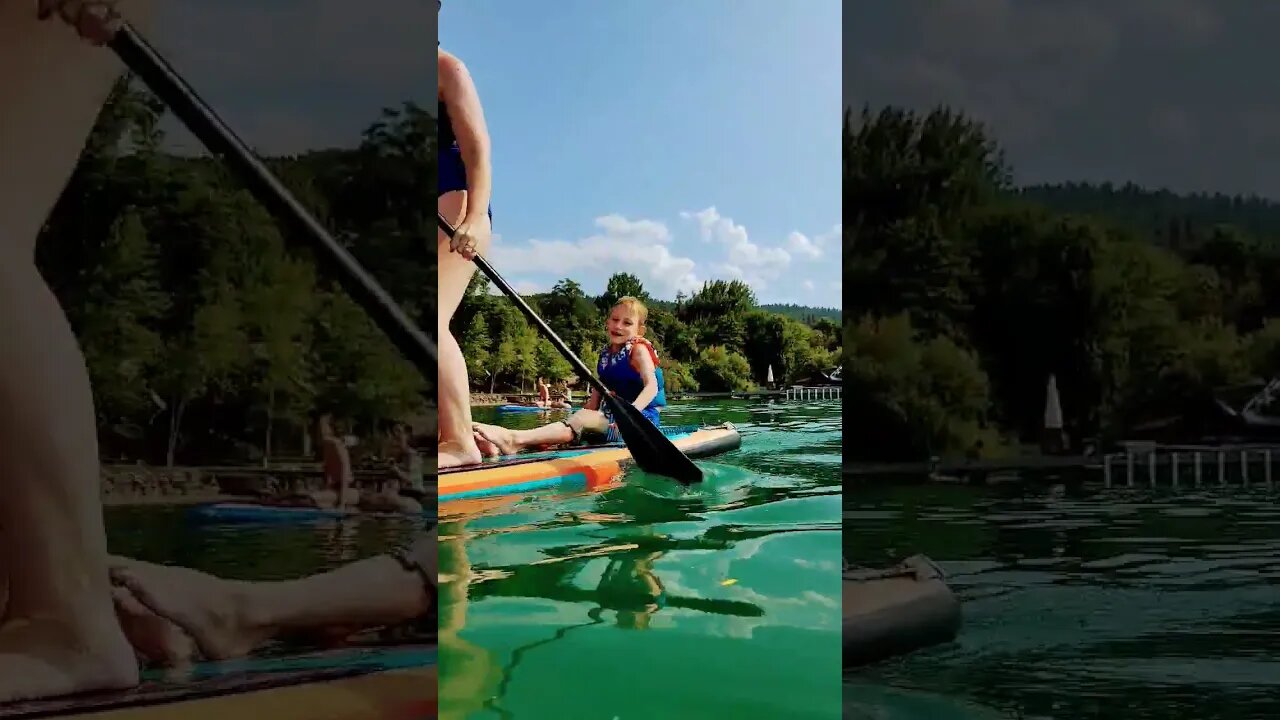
680	141
295	75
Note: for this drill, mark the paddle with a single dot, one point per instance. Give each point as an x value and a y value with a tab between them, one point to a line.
653	451
334	259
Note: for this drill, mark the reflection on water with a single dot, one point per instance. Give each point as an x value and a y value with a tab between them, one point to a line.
650	601
1083	603
274	551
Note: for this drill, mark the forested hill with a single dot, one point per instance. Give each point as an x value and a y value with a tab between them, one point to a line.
1170	218
804	313
208	337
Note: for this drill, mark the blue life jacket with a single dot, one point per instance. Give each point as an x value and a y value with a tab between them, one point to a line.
616	373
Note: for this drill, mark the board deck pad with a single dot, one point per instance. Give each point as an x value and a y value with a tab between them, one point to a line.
234	677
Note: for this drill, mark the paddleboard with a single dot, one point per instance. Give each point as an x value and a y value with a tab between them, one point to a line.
385	683
575	467
530	409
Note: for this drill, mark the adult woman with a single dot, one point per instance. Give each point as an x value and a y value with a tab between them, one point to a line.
58	630
60	633
463	198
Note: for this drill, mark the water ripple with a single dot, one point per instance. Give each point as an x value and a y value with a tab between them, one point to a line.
1131	603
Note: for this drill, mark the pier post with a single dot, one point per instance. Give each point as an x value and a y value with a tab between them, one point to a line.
1173	462
1199	468
1151	467
1222	468
1244	467
1106	470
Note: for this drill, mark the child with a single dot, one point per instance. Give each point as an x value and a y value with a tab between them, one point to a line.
628	367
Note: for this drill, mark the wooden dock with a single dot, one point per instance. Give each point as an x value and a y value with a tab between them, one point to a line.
961	469
824	392
1154	464
1135	464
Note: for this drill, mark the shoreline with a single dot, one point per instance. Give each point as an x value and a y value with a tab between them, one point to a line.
123	500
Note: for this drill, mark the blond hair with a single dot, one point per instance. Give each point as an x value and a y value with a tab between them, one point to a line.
633	305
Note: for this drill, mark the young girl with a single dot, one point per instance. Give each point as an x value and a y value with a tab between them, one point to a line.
628	367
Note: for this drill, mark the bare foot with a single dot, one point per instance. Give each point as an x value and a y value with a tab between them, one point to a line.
218	614
487	448
503	439
157	640
456	454
47	657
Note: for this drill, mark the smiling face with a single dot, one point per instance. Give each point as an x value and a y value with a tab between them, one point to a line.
626	322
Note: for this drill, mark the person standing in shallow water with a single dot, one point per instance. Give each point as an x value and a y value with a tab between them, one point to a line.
339	478
462	197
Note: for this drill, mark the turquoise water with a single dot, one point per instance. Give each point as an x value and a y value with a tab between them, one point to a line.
1088	603
647	601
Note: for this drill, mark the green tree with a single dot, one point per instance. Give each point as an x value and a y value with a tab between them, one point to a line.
719	370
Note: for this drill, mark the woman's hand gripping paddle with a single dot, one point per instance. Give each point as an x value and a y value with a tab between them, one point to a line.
652	451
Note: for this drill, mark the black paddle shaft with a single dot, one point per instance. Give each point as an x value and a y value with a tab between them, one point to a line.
547	332
201	120
650	448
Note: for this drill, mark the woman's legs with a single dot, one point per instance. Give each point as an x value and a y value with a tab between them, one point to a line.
230	618
495	440
59	633
457	446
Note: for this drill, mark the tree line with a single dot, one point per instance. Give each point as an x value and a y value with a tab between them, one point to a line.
206	337
964	293
716	339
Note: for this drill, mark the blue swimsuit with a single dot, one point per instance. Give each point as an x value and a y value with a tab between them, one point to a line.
617	374
453	172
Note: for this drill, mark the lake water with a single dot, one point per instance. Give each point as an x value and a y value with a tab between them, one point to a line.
640	600
1089	603
644	601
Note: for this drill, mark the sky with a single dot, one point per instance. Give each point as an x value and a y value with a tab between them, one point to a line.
678	141
1179	94
295	75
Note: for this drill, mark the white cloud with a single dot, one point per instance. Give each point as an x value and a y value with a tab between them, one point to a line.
756	265
647	248
725	270
834	235
800	244
639	247
650	230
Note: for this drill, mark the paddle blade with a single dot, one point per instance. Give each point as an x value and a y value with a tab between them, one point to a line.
652	451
